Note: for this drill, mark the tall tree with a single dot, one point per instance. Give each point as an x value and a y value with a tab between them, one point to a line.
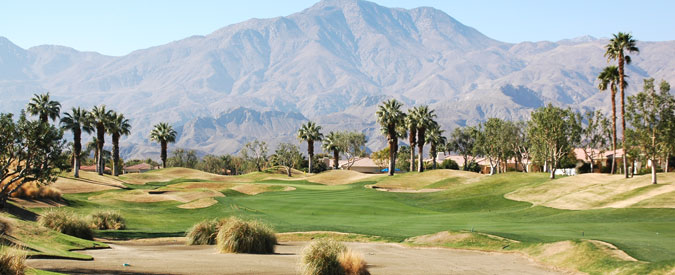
609	78
411	124
331	143
649	113
43	107
490	142
616	50
390	117
462	141
593	138
163	133
119	126
669	131
310	132
554	132
255	152
100	119
287	155
353	145
76	121
435	138
424	118
29	152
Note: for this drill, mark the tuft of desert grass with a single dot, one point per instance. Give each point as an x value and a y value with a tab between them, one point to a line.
66	223
5	226
106	219
353	263
239	236
12	262
33	191
320	257
204	232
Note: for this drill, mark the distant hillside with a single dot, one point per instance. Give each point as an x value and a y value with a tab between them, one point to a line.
333	63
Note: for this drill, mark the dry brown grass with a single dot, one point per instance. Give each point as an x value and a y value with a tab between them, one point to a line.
174	173
66	222
146	196
338	177
200	203
107	219
33	191
417	181
591	191
88	182
204	232
353	263
12	262
238	236
6	226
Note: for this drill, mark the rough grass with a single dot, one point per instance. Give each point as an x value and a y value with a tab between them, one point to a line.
327	256
5	226
67	223
204	232
239	236
107	219
12	262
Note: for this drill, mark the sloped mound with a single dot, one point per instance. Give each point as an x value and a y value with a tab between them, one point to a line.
590	191
255	189
86	183
338	177
158	196
173	173
200	203
432	179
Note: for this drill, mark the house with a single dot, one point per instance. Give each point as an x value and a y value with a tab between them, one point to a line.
138	168
604	159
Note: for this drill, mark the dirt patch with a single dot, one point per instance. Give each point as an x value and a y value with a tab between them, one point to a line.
382	258
613	250
439	238
311	235
200	203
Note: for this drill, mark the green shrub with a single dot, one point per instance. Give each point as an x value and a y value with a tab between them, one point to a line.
449	164
66	223
107	219
12	262
238	236
204	232
473	167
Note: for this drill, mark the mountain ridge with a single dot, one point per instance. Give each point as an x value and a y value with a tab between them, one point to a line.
332	63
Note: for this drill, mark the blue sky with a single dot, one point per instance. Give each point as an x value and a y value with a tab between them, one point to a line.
119	27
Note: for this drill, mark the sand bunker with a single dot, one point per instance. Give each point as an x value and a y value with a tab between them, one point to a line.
428	179
338	177
158	196
255	189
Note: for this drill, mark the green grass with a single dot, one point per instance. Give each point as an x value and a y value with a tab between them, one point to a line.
646	234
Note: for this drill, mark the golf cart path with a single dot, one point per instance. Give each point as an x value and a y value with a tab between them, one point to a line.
382	258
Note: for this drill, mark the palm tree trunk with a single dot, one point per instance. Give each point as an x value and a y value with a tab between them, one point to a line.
623	116
433	156
77	151
310	152
420	149
116	154
411	140
392	158
336	158
163	154
613	170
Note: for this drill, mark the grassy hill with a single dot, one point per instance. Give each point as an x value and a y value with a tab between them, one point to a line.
339	201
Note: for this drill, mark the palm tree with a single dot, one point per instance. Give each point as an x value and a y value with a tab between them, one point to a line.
118	126
615	51
92	146
435	139
411	124
43	107
331	143
76	121
390	116
425	120
609	78
310	132
163	133
100	119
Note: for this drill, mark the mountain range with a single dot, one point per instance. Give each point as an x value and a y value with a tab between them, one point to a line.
332	63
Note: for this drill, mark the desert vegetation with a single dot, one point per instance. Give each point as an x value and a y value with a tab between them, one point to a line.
66	222
204	232
106	219
240	236
326	256
12	261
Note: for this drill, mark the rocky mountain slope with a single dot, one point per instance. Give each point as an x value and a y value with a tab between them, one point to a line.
332	63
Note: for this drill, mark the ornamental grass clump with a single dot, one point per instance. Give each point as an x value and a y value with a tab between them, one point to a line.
239	236
329	257
67	223
107	219
12	261
204	232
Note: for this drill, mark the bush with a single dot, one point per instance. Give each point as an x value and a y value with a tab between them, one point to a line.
473	167
238	236
331	257
583	168
107	220
66	223
449	164
12	262
5	226
33	191
204	232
